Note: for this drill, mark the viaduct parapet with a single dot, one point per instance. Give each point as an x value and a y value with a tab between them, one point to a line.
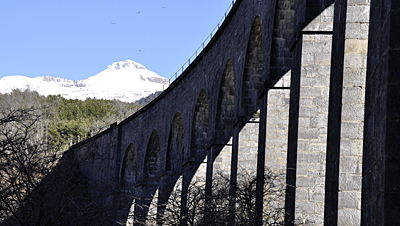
308	87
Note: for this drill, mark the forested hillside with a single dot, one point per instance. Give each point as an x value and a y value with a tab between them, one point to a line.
145	100
67	122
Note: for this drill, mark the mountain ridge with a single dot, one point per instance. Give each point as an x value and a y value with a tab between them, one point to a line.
127	81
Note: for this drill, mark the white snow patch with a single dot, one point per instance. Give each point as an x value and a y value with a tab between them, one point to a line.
124	80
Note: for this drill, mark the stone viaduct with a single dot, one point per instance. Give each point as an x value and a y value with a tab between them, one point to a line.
305	87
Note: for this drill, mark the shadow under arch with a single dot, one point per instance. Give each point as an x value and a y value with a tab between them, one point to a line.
128	179
199	135
246	127
195	158
249	106
223	123
175	151
253	71
129	168
174	161
150	177
226	105
219	154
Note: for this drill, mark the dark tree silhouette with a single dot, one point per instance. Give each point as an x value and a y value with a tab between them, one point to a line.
218	213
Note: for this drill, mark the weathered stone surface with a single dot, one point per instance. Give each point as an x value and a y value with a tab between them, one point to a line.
325	101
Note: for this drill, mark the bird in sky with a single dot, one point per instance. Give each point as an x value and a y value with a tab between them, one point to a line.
138	12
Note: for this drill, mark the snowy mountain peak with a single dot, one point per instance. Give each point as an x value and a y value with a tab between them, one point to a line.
125	80
125	64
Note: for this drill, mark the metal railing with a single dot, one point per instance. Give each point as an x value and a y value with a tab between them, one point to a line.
197	52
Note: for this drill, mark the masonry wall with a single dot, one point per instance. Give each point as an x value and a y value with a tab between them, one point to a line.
381	147
280	86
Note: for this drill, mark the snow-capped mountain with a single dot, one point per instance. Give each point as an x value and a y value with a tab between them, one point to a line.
125	80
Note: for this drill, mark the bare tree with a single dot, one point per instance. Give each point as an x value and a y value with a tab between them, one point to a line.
38	187
41	185
218	205
25	158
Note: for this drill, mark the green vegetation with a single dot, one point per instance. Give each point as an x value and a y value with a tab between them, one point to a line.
145	100
68	122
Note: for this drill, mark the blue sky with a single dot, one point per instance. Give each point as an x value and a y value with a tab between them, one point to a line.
76	39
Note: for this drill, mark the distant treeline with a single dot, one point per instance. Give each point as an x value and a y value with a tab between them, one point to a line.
66	121
145	100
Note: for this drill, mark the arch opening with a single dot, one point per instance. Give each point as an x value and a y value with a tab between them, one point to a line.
175	151
149	190
226	104
129	168
252	77
152	159
199	139
222	148
250	104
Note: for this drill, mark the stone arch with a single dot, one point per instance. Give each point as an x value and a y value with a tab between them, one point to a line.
175	151
172	181
199	139
152	159
281	56
252	77
128	179
250	104
151	173
195	168
129	168
226	104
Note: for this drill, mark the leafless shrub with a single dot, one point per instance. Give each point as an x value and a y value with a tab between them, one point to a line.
218	205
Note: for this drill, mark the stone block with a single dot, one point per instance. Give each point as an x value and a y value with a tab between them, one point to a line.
303	145
354	61
349	130
348	200
349	164
304	207
317	148
306	102
308	133
358	14
357	2
322	58
302	169
349	217
308	112
349	182
304	122
352	95
307	59
309	71
316	197
353	30
274	141
354	77
324	71
353	112
350	147
302	194
322	105
304	182
356	46
305	157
